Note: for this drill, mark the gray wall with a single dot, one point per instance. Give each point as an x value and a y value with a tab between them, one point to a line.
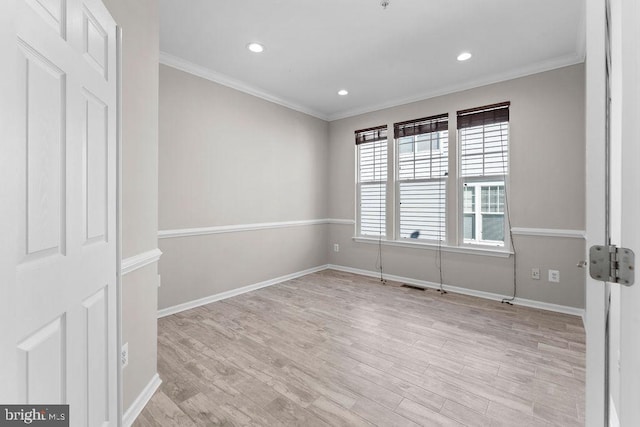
140	25
228	158
547	191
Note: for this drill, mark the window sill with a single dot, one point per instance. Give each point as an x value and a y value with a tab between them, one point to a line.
484	251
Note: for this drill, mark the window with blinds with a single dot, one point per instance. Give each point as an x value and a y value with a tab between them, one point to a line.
421	182
484	165
372	181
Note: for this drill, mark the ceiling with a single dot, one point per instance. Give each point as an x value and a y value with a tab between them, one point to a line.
382	57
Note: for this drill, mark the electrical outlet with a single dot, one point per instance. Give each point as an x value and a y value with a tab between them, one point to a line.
336	247
535	273
124	355
554	276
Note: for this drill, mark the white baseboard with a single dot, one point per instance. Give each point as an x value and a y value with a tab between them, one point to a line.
143	398
228	294
421	283
471	292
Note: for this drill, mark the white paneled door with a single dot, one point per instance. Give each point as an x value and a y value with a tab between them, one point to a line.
58	303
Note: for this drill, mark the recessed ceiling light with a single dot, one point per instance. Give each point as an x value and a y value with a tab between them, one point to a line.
464	56
255	47
343	92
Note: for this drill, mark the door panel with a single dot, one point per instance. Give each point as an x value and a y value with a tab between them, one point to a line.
97	330
95	167
42	364
61	265
52	12
42	85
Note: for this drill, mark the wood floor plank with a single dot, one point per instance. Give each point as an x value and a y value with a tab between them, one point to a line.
334	348
464	415
293	415
423	415
162	411
336	415
504	416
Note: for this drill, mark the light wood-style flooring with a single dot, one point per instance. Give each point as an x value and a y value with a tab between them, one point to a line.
338	349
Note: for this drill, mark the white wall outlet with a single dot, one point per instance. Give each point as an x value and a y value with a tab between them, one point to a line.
535	273
124	355
554	276
336	247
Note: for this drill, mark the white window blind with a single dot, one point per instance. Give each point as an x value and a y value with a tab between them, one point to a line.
422	165
484	141
372	181
484	165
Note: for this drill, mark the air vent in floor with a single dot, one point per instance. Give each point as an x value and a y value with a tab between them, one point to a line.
417	288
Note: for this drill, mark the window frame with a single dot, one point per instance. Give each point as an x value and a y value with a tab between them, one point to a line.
488	179
478	183
444	180
359	184
453	189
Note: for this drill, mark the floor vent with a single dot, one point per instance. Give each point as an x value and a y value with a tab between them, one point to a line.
404	285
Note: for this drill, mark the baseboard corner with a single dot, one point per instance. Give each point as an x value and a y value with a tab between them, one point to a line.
163	312
141	401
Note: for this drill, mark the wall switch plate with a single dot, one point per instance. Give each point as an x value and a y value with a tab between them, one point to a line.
535	273
336	247
124	355
554	276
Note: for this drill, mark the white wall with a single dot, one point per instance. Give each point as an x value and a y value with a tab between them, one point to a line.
547	190
229	159
140	25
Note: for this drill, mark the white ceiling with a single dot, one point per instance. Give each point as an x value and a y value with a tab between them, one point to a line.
383	57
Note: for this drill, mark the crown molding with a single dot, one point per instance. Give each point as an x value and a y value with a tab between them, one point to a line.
540	67
208	74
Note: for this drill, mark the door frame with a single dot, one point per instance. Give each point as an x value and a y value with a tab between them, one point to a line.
595	115
119	380
629	410
624	168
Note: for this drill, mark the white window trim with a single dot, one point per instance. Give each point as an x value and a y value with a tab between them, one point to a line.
507	246
358	221
454	239
499	252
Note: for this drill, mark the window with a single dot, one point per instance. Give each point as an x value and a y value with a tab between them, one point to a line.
484	218
484	166
372	181
421	165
